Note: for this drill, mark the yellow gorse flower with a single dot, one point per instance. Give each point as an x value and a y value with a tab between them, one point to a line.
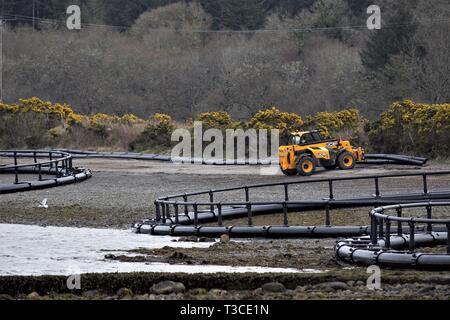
273	118
330	122
218	120
65	113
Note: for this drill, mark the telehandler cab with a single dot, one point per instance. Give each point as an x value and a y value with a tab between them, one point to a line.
307	150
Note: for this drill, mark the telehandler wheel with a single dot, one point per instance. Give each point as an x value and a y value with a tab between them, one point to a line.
306	166
346	161
289	172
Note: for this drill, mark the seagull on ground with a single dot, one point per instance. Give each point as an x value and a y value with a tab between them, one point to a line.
43	204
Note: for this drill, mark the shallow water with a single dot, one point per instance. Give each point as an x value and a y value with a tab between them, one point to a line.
35	250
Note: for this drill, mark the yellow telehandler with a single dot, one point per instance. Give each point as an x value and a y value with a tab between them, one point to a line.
307	150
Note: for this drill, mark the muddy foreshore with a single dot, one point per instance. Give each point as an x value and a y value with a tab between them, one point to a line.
300	254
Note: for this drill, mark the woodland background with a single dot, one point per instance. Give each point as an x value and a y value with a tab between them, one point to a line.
149	56
138	69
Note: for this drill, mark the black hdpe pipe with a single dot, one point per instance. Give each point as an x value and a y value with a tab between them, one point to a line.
383	249
182	226
251	232
168	224
58	164
377	159
282	232
392	156
266	209
359	252
80	154
76	176
394	159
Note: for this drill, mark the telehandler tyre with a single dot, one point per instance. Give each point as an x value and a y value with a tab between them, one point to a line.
346	161
290	172
306	166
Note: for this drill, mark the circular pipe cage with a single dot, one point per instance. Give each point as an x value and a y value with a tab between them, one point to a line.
39	169
200	214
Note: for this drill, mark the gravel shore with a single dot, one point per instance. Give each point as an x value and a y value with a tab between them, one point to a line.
122	192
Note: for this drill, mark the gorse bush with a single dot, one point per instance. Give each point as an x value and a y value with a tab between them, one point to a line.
347	123
131	119
330	123
60	112
273	118
413	128
36	123
404	127
64	113
157	133
33	123
24	131
161	123
217	120
102	123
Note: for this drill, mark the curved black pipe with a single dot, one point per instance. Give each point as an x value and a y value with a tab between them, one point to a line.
370	158
359	250
46	183
382	248
57	164
364	255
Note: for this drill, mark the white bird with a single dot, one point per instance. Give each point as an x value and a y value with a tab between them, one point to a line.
43	204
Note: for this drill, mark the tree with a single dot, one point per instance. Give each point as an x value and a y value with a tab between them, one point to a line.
119	13
327	15
398	28
236	14
172	26
358	7
423	74
23	11
289	7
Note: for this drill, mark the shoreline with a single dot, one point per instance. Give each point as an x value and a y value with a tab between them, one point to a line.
342	285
